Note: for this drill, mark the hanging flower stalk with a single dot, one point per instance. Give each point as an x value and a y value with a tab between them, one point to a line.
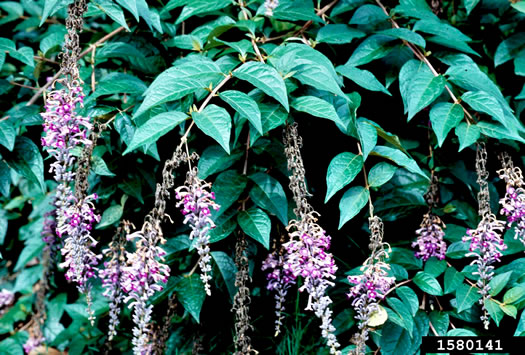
513	204
306	253
163	332
371	286
145	273
242	300
111	275
430	235
486	243
279	281
197	201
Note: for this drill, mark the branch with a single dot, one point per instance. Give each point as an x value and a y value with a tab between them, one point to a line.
82	54
421	56
370	205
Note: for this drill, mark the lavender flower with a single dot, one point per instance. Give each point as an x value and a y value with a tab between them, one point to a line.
270	5
307	256
111	277
487	246
371	286
142	276
196	202
430	238
279	281
6	299
513	204
32	343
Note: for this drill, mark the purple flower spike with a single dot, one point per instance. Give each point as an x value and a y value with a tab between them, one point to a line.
513	204
430	238
196	202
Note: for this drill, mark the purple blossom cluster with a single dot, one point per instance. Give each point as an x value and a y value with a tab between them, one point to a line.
144	274
306	255
270	5
6	299
279	281
32	343
487	246
430	238
197	202
513	206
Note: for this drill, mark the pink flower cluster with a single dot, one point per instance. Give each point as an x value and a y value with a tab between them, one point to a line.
513	206
430	239
6	299
32	343
279	281
270	5
197	202
374	286
143	275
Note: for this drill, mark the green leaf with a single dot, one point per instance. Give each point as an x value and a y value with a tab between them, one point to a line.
342	170
228	270
245	106
25	55
18	312
269	194
483	102
453	279
5	179
99	167
498	131
7	134
409	298
199	7
405	35
509	310
215	159
112	10
215	122
418	86
399	158
520	6
3	228
494	310
468	134
338	34
520	329
27	161
380	174
441	29
466	297
509	48
7	45
154	128
228	187
363	78
351	203
179	81
118	50
397	340
445	116
440	321
367	136
266	78
515	294
459	332
32	249
27	278
435	267
50	7
295	11
470	5
372	48
403	312
428	283
255	223
117	83
110	216
191	294
316	107
498	283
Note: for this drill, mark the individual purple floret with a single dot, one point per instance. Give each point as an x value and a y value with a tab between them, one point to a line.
487	246
307	256
430	238
279	281
6	299
197	202
143	275
270	5
32	343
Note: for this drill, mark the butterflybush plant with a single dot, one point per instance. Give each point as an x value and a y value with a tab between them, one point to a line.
151	205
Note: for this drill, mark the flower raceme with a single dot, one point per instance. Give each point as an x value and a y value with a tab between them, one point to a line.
430	238
196	202
306	255
513	203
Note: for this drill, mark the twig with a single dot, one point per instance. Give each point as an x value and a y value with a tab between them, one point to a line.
421	56
370	205
433	329
85	52
93	68
22	85
396	286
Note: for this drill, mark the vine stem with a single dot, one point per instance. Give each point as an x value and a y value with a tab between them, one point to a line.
82	54
421	56
370	205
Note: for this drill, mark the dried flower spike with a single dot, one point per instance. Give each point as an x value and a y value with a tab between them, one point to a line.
513	204
197	201
371	286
